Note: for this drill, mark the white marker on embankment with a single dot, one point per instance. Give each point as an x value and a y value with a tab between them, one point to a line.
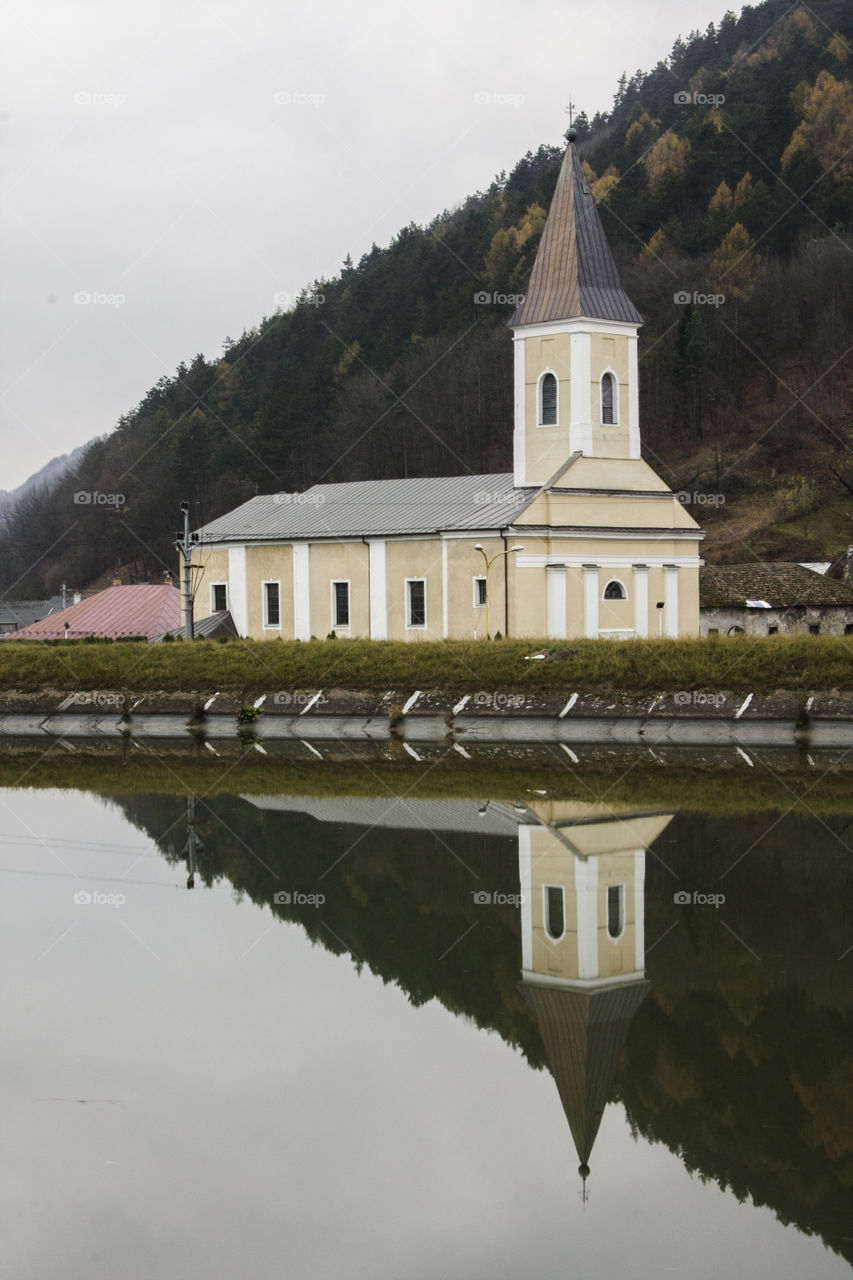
411	702
743	708
567	708
310	704
462	704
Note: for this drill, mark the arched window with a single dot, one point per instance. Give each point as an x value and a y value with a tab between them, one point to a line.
548	401
615	591
615	910
608	399
555	911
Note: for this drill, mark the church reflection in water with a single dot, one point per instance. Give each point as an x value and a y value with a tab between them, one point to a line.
582	876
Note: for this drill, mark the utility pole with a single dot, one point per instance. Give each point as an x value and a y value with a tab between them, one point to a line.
186	544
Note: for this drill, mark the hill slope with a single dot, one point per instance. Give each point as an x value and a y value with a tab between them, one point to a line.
724	179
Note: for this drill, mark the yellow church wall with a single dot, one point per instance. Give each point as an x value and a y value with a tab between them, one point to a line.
609	353
547	447
616	956
413	559
571	510
340	561
464	564
269	564
553	864
208	567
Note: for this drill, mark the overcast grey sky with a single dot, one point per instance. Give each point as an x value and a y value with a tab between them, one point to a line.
181	164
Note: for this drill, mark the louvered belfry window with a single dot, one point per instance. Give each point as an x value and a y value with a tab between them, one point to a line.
548	393
607	398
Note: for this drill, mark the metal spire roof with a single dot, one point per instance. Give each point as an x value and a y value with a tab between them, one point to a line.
574	273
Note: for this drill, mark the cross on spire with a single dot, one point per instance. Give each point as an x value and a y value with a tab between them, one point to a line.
570	112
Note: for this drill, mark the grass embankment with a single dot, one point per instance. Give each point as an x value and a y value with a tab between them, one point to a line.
755	665
638	787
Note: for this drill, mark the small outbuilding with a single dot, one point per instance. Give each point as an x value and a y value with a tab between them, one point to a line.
772	599
116	613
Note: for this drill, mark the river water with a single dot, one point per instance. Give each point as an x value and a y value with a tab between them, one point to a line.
383	1036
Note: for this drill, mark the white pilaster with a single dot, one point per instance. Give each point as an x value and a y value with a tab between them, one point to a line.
639	910
555	594
525	878
586	884
633	398
580	422
519	435
590	601
378	591
641	600
238	589
670	600
445	611
301	591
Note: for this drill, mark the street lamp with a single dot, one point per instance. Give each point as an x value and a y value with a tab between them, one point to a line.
478	546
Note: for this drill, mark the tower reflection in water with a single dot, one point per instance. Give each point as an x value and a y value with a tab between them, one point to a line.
582	880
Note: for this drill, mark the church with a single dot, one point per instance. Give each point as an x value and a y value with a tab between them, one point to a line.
581	539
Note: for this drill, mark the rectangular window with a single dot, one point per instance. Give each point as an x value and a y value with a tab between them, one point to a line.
272	604
772	630
479	593
218	597
415	602
340	604
814	628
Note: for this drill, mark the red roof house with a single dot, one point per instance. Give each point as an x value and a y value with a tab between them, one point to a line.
118	611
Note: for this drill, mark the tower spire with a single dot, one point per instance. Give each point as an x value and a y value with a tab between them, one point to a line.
574	274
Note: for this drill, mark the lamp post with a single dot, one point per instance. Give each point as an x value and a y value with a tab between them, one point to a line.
478	546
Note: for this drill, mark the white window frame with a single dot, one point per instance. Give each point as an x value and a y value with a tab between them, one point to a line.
267	625
479	577
615	937
417	626
606	600
539	382
612	373
553	937
213	608
340	626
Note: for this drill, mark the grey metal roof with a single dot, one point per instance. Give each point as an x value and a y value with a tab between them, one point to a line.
574	273
408	814
374	508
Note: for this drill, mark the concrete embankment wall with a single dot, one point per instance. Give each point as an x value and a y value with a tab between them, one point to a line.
819	719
